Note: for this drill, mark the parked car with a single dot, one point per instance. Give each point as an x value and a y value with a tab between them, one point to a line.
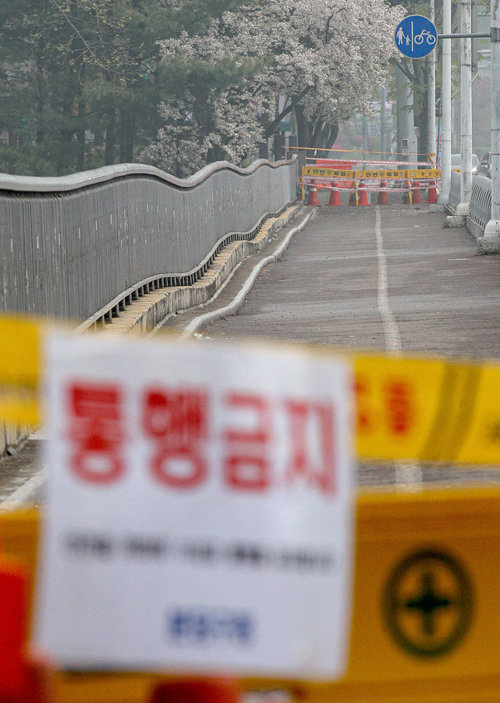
484	167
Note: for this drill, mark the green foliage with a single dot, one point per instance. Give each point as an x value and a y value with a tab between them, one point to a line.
81	80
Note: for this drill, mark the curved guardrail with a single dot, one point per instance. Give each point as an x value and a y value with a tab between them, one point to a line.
84	245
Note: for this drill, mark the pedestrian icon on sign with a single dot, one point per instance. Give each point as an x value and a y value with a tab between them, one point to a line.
401	36
416	36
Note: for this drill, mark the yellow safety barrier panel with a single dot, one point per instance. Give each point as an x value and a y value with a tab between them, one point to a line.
426	608
398	174
429	410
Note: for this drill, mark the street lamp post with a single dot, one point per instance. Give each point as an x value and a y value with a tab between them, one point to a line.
446	107
492	231
466	110
431	91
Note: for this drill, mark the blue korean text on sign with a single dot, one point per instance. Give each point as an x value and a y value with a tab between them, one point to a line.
416	36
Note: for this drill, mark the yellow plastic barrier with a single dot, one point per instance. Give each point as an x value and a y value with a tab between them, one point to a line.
426	615
396	174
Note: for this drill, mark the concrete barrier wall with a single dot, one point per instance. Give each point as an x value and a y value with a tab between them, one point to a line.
70	245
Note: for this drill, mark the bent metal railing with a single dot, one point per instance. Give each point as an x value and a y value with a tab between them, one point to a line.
454	195
480	202
83	246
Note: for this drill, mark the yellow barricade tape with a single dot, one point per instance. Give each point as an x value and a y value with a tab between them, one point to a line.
407	408
427	410
318	172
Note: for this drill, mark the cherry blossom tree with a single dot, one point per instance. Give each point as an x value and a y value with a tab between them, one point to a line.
229	88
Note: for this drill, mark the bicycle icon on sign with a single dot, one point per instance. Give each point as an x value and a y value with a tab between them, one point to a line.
425	34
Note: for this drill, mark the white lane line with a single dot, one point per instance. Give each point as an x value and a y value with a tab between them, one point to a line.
237	302
408	473
391	329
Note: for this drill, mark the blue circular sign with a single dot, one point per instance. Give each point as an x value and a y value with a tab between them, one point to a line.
415	36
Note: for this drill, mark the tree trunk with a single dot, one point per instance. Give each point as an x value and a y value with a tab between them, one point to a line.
40	103
109	149
127	135
303	128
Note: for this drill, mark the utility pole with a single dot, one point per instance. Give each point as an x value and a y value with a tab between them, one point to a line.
405	126
492	231
431	90
383	101
446	107
465	109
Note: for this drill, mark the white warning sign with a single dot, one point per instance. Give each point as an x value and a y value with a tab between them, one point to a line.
199	514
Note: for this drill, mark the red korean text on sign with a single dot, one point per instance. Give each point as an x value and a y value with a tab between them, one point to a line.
399	398
177	421
247	463
320	473
96	429
364	416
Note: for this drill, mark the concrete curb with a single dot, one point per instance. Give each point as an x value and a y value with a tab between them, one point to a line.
27	494
145	314
238	301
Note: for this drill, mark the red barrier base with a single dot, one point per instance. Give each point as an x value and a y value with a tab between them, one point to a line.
383	196
313	197
432	196
197	691
416	193
363	198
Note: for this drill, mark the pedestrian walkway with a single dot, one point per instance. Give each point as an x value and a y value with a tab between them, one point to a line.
363	277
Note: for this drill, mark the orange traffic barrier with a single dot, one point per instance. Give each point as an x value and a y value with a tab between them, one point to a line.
313	196
432	196
383	196
197	691
415	185
13	618
363	198
334	194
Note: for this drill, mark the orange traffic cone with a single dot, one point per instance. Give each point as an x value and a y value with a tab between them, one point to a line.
432	196
382	194
363	199
415	185
334	194
313	196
